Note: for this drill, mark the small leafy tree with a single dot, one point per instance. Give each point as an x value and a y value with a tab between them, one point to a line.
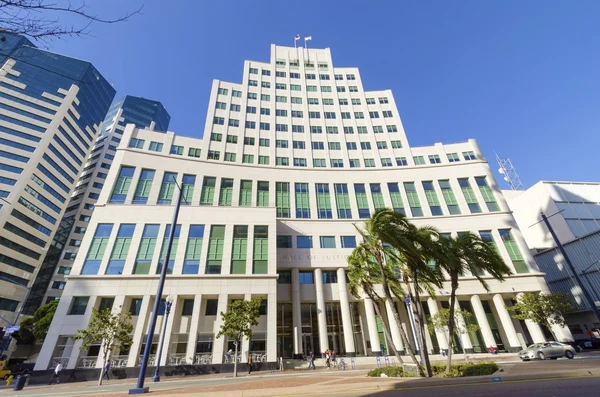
40	322
238	320
111	329
544	309
463	324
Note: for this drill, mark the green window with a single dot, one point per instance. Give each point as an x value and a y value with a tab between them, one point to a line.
261	250
263	160
413	199
262	194
486	192
396	198
142	192
230	157
362	201
122	185
146	250
469	194
449	197
239	250
193	251
163	250
377	196
513	251
282	190
302	200
248	159
120	249
208	190
245	193
97	248
214	256
419	160
432	199
167	188
188	189
323	201
342	201
226	193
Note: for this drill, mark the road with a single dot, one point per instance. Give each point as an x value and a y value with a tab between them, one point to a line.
580	377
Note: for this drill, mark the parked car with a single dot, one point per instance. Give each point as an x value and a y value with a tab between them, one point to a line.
4	372
542	351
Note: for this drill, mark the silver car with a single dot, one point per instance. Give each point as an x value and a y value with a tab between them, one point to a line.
542	351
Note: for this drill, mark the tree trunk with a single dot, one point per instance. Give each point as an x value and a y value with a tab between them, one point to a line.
106	358
421	334
451	324
235	360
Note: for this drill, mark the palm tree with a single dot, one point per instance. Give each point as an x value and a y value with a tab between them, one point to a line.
414	247
463	255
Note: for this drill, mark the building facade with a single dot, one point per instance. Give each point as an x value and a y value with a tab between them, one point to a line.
51	107
291	159
50	280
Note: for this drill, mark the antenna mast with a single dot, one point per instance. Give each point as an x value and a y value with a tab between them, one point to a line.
510	174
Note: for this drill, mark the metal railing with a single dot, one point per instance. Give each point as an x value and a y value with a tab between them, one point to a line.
55	360
203	359
176	359
151	360
87	362
119	361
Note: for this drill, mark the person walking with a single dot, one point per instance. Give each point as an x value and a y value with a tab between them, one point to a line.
250	362
106	369
334	358
72	376
327	359
312	361
56	374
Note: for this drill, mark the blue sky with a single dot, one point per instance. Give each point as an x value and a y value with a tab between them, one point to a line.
522	77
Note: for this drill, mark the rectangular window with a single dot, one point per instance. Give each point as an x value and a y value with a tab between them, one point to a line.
194	152
282	190
232	139
513	251
252	95
354	163
348	241
432	199
142	191
297	114
79	305
261	250
251	109
136	143
302	200
239	249
316	130
342	201
295	87
434	159
486	192
188	189
371	101
211	307
193	250
396	197
245	193
264	142
334	146
214	257
299	145
318	145
304	242
313	101
449	197
469	156
122	185
262	194
236	93
176	150
226	192
279	143
386	162
419	160
146	250
208	190
362	201
156	147
284	241
323	201
327	241
298	128
469	194
248	159
281	112
282	161
229	156
188	307
391	128
337	163
167	188
265	97
413	199
216	137
251	125
319	163
351	145
369	163
263	160
377	196
97	248
249	141
265	126
381	145
329	276
165	245
453	157
362	130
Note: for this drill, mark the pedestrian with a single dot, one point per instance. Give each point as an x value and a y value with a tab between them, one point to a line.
56	374
106	369
250	362
333	358
228	356
327	358
72	376
312	360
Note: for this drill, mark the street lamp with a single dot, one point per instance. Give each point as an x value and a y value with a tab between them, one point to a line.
168	303
412	322
140	389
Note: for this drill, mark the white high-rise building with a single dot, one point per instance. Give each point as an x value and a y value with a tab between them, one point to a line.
292	157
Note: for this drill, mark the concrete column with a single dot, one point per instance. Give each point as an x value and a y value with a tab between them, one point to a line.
442	336
219	345
169	330
272	326
464	337
323	340
296	311
509	329
345	309
75	353
245	346
117	308
190	352
372	327
138	334
484	325
394	330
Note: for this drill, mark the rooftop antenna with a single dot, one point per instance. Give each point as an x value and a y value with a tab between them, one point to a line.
509	173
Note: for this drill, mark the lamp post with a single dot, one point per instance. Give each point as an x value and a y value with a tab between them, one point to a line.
140	389
412	322
168	303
